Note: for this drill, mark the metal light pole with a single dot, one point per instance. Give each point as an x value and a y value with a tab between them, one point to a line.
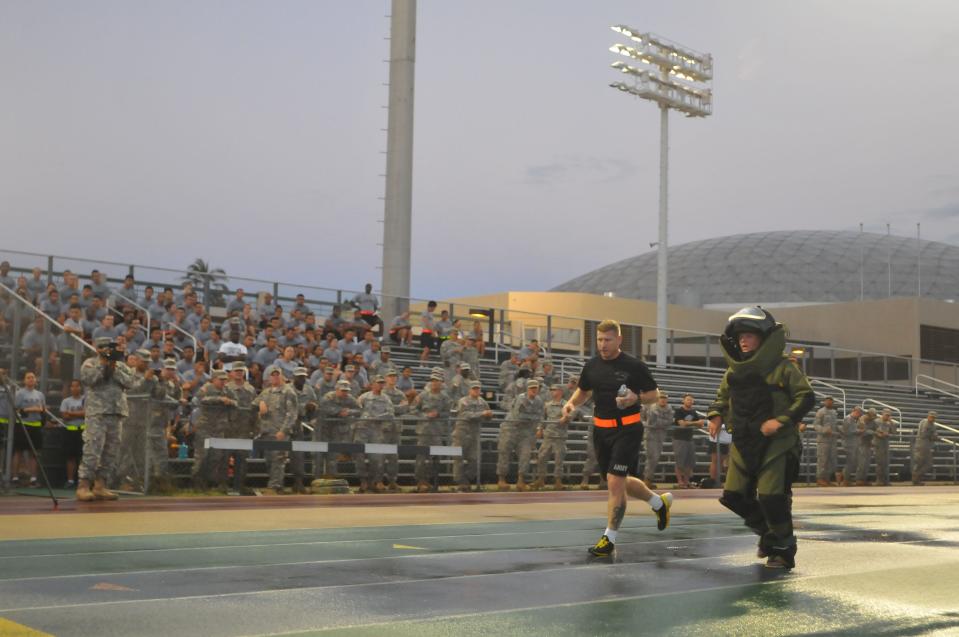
398	212
677	78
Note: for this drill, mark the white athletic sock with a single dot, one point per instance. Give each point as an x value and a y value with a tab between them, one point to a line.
656	502
611	534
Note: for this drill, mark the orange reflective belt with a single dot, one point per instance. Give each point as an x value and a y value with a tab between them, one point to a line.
631	419
366	313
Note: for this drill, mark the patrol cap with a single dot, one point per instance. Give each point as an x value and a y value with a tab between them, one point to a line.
169	363
379	379
465	366
932	413
385	348
532	383
104	341
825	398
886	412
343	384
574	378
301	371
871	412
439	377
219	373
272	369
663	394
475	384
438	370
557	386
144	354
238	367
350	368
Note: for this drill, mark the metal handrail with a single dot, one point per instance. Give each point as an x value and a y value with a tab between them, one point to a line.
146	312
887	406
190	336
834	388
47	317
932	387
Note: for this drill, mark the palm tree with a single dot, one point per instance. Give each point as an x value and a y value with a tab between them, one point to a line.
211	280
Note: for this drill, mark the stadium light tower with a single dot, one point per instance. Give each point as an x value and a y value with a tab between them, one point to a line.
674	77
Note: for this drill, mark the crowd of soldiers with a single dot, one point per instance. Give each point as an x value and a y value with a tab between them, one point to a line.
271	373
865	436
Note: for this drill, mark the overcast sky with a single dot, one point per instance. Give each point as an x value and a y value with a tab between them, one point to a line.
249	133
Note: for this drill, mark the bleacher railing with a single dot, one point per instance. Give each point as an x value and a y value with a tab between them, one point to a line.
935	384
33	342
504	327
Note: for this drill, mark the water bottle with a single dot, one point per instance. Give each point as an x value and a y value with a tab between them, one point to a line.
623	390
183	452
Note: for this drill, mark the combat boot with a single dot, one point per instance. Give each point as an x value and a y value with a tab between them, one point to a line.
521	484
379	487
537	485
584	485
100	491
502	484
822	483
364	486
83	492
423	487
298	486
393	487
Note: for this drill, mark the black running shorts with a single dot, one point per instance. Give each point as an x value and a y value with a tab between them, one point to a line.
617	449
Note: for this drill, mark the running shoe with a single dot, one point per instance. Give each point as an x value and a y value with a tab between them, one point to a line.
603	548
662	514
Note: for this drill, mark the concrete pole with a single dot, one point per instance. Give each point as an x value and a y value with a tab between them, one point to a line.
398	213
662	300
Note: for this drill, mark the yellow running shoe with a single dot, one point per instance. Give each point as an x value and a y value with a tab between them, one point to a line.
603	548
662	514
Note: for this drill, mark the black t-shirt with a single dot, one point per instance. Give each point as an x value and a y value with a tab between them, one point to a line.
683	433
604	378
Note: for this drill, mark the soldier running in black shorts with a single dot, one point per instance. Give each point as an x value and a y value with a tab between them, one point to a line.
618	383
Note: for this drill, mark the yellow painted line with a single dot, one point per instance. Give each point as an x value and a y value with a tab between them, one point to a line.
404	546
13	629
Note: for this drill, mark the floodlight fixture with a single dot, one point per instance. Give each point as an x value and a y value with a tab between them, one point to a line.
675	77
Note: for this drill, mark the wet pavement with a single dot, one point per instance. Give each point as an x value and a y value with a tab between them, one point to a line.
885	565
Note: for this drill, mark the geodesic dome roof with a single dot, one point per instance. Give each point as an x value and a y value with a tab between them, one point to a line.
803	266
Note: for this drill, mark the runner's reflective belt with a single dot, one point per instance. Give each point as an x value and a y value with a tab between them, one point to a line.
76	427
32	423
606	423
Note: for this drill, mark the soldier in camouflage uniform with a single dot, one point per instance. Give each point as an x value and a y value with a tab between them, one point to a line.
130	461
458	387
507	371
826	424
922	451
243	418
518	434
277	405
322	431
867	431
308	403
106	378
885	429
470	412
337	408
376	413
216	403
850	444
393	430
657	419
451	353
553	432
164	401
433	408
470	355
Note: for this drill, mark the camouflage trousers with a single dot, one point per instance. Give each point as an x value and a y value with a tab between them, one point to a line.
101	444
850	445
591	464
921	460
242	425
366	467
131	457
390	435
428	434
882	461
210	465
825	458
515	439
863	460
339	431
655	438
555	449
467	436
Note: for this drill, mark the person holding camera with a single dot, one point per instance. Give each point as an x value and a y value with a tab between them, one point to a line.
106	378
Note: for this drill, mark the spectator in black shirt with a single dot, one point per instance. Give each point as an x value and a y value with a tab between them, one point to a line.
685	419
